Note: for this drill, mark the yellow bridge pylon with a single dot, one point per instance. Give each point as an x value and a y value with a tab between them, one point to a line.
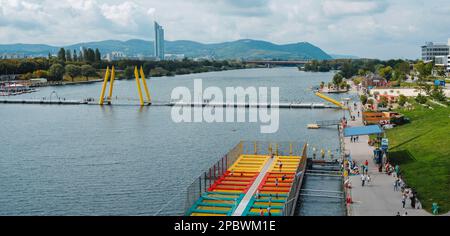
110	76
138	83
105	83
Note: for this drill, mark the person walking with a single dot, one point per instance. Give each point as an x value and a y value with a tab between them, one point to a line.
363	179
268	211
396	184
261	212
276	182
280	165
403	201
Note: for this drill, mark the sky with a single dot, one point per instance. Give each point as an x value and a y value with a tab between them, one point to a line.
366	28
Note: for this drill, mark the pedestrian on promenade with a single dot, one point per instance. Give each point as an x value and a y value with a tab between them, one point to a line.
322	152
397	170
396	184
276	182
398	213
261	212
412	198
363	180
283	178
405	214
403	201
268	211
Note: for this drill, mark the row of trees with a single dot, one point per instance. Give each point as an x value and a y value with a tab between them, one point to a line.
39	67
87	55
57	71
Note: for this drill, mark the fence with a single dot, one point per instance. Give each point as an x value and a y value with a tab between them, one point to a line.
291	201
202	183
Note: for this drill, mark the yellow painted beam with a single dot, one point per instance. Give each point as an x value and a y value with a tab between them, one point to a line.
111	83
138	84
102	93
326	98
149	98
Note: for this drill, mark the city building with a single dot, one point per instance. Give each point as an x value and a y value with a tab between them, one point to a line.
174	57
159	42
432	50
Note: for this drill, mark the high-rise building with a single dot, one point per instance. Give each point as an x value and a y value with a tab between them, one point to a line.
159	41
432	50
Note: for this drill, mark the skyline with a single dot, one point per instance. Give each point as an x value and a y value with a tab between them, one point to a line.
364	28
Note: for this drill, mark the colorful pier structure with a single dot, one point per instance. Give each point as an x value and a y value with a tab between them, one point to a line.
252	179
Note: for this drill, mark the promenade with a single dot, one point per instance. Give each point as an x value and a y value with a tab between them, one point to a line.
378	197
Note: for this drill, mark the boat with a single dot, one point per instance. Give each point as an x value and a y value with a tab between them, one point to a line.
313	126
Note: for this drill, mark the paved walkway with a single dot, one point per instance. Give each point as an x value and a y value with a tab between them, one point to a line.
252	190
378	197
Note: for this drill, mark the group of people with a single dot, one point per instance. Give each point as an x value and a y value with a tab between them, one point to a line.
269	207
354	139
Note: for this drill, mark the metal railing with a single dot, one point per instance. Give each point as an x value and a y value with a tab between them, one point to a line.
291	201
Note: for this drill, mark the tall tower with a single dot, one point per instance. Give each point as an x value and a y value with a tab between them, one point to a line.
159	41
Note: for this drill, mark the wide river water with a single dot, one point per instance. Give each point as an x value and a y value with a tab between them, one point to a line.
127	160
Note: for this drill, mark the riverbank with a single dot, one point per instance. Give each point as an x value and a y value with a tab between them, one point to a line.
378	197
422	150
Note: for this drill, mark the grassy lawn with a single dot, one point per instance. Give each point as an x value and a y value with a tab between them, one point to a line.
422	148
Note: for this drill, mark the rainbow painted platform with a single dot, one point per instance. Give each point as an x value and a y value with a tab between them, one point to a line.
225	194
249	181
275	187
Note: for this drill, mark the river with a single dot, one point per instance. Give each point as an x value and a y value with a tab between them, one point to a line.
127	160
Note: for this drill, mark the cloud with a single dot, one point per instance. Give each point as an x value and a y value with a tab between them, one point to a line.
342	8
367	28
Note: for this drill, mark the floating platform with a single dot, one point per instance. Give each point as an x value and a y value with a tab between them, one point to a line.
174	104
43	102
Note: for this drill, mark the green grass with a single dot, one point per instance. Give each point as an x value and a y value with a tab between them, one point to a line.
422	148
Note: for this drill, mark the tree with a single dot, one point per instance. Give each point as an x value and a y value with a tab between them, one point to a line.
383	102
386	72
128	72
402	100
98	56
363	99
403	67
73	71
438	94
88	70
56	72
348	70
68	55
75	56
421	99
337	79
62	54
89	56
424	69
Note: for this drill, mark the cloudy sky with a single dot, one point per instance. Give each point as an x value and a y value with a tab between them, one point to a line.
366	28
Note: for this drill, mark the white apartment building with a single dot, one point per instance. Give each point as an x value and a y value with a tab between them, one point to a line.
432	50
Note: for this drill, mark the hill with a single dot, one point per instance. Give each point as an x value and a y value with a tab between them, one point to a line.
240	49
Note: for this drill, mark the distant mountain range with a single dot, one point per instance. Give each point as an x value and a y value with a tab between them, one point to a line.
246	49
